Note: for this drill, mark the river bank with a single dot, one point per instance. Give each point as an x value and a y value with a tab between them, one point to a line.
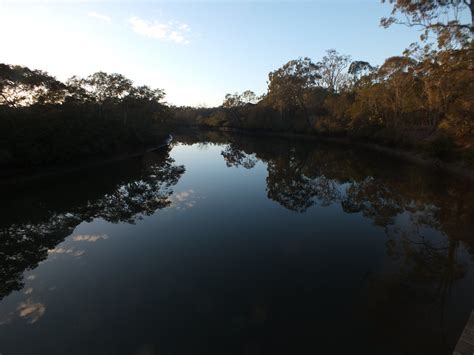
9	176
457	168
454	167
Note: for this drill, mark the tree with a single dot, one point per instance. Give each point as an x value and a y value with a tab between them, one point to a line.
44	121
331	70
287	85
232	100
145	103
239	100
249	97
358	69
21	86
104	87
448	86
391	97
441	17
77	92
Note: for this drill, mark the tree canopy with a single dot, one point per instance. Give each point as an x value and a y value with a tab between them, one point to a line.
45	121
444	18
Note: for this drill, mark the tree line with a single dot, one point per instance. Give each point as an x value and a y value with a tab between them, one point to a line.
423	98
45	121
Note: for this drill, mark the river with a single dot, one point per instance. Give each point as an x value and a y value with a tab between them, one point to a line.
234	244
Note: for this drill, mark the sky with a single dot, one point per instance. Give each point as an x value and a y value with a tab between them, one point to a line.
197	51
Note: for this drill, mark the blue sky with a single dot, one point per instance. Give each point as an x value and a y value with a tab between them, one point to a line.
197	51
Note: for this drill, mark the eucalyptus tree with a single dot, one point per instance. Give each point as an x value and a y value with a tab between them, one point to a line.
358	69
332	70
236	105
450	20
238	100
288	86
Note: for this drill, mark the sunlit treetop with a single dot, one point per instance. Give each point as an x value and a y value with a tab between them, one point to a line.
452	21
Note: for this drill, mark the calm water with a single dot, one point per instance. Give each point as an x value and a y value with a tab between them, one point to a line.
238	245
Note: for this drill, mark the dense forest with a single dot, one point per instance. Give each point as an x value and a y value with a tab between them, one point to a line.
44	121
423	99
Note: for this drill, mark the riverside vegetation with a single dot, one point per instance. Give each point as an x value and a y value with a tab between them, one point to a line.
44	121
422	99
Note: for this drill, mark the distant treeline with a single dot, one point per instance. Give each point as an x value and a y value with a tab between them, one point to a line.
44	121
409	100
423	98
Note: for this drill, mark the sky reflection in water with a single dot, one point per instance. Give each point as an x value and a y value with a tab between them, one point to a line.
238	245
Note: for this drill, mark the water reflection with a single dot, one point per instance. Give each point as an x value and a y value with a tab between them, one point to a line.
229	278
31	310
38	217
425	218
302	173
90	238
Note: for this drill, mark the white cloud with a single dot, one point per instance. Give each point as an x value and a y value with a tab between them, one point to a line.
89	238
31	310
173	31
101	17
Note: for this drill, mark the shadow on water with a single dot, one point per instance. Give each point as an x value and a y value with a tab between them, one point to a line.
299	304
39	216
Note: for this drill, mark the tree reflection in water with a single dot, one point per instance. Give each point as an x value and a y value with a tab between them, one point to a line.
121	192
427	221
424	220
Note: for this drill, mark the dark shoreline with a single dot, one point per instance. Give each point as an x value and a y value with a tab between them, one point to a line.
456	168
20	176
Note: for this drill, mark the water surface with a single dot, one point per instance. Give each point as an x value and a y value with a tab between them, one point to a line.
226	244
